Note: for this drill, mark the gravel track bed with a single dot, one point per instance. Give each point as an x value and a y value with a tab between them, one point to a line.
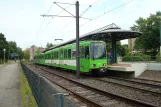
124	91
132	84
151	75
105	101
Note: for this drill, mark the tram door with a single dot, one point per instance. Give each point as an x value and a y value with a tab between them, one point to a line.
81	58
84	59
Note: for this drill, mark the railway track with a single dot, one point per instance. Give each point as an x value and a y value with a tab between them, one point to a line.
134	83
93	95
146	81
90	96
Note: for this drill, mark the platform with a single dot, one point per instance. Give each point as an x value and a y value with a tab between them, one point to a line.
10	85
121	70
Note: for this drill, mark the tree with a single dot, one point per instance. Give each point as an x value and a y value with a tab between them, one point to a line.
149	41
26	55
3	45
122	50
20	52
14	49
49	45
38	50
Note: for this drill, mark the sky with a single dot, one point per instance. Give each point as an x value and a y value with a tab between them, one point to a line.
21	20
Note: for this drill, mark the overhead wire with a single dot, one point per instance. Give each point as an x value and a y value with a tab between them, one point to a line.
89	6
107	12
44	18
104	14
53	17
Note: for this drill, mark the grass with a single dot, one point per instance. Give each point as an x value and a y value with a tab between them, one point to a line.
27	99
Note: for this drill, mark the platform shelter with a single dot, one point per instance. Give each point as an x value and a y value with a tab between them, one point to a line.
110	33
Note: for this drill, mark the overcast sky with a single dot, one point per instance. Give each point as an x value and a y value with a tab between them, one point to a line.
21	22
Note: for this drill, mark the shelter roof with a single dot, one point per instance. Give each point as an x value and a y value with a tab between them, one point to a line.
105	33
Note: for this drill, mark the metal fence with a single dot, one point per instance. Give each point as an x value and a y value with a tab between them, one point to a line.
45	94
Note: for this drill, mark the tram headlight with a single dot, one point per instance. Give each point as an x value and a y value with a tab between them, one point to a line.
104	65
93	65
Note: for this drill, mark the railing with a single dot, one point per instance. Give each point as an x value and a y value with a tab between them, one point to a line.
148	59
45	94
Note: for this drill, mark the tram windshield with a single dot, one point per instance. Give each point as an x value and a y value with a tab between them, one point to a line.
98	50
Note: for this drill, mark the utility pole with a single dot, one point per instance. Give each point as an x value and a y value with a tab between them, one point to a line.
77	30
77	40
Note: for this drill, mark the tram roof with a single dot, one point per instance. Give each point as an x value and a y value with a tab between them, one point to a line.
105	33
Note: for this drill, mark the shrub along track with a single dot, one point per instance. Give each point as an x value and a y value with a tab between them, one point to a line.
99	93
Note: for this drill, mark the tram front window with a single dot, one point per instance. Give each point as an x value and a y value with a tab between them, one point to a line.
98	50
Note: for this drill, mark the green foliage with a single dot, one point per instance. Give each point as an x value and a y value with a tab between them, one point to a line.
158	54
10	46
13	48
158	13
26	55
49	45
3	45
27	99
158	58
38	51
108	47
137	57
149	41
122	50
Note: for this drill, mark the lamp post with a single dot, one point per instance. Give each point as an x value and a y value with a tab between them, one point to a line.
4	55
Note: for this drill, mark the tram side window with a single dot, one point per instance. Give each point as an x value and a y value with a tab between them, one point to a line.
53	55
65	54
86	52
73	53
48	56
57	54
69	53
82	52
61	54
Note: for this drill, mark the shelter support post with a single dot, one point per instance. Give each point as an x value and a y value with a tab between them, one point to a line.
114	51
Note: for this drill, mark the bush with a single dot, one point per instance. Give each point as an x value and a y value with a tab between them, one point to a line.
138	57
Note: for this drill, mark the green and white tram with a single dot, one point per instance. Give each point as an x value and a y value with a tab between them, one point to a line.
92	57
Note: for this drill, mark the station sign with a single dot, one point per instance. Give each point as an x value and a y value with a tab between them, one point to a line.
14	55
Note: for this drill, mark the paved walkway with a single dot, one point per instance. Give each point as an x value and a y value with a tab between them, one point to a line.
10	85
